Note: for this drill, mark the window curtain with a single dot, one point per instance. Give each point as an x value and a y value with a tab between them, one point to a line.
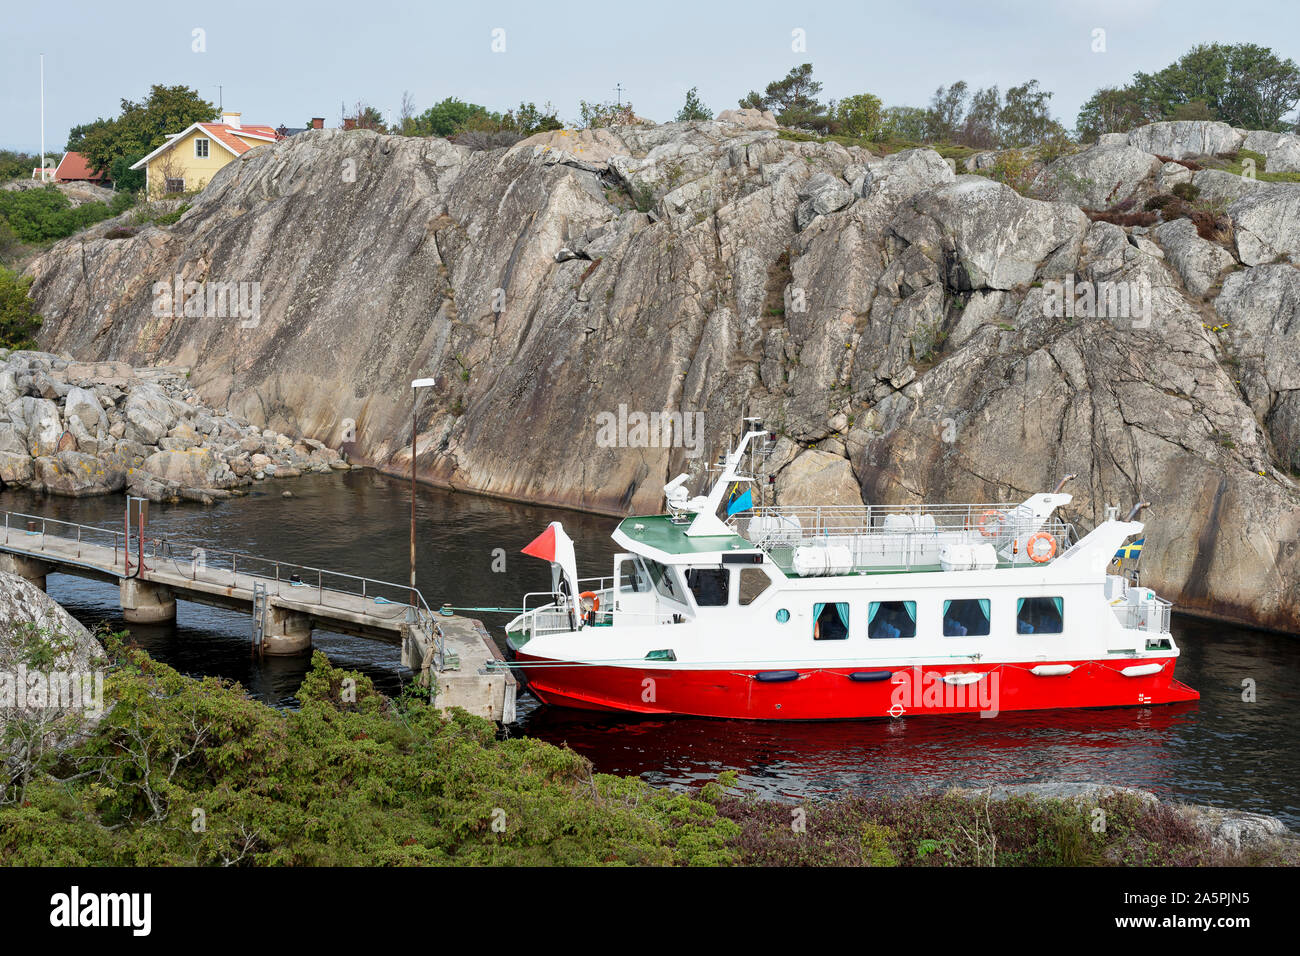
817	612
946	605
910	608
1020	604
871	612
843	611
1060	605
984	606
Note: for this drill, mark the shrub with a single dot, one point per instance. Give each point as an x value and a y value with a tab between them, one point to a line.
18	317
1186	191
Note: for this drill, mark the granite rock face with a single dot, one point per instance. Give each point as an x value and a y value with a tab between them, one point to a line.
881	310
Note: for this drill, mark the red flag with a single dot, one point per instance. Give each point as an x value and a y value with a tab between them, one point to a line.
543	546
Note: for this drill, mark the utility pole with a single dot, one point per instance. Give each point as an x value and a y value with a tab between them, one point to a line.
416	385
618	93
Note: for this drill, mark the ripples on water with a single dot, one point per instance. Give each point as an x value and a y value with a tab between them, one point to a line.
1220	750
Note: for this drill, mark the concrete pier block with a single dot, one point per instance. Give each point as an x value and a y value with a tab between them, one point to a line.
287	632
24	567
144	602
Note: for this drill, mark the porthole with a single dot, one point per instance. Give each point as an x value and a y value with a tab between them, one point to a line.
782	616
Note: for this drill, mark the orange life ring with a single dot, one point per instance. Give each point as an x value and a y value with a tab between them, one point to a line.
984	521
595	601
1051	546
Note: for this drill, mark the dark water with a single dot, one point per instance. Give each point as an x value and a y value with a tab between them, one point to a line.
1221	750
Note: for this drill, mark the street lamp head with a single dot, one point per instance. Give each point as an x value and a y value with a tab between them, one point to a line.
423	382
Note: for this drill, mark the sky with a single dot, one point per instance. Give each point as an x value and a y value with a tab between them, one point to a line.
282	62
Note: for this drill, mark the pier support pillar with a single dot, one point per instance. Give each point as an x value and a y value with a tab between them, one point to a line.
32	570
287	632
144	602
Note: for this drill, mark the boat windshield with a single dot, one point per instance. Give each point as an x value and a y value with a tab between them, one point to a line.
662	578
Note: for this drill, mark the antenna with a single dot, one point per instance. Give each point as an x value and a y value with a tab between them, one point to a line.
618	92
221	103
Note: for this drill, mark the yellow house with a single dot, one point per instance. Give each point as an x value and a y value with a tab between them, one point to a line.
190	158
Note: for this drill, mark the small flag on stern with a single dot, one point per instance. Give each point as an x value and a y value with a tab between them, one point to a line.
743	502
1130	551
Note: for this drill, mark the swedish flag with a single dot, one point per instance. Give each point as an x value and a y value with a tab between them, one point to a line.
1130	551
738	502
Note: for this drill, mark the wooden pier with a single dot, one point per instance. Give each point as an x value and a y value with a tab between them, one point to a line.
285	602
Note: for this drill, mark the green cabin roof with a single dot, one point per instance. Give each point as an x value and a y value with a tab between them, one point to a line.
663	534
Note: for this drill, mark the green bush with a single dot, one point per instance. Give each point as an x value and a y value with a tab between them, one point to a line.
18	318
42	215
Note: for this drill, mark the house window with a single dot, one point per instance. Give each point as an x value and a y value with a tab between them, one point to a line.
201	149
1040	615
753	582
830	622
175	185
709	585
966	618
887	619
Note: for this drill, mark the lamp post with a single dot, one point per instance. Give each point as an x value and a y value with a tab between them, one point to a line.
415	397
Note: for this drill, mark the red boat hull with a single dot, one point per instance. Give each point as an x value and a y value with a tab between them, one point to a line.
832	694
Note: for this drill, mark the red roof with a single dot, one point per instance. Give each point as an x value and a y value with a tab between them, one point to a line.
227	135
74	166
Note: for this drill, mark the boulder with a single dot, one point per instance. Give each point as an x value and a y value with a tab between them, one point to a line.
84	406
1281	150
1183	138
37	422
195	468
74	474
1098	177
149	412
62	715
17	470
749	118
1199	261
1267	223
821	195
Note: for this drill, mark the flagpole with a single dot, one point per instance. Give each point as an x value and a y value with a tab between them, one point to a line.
42	117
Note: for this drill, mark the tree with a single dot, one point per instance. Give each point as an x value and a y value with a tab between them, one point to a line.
982	126
16	165
859	115
1110	110
1024	119
793	99
142	127
77	135
693	109
449	117
530	119
125	179
1243	84
365	116
18	317
947	109
905	124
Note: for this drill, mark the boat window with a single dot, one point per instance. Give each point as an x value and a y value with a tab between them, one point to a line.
631	579
830	622
1040	615
886	619
753	582
709	585
966	618
662	578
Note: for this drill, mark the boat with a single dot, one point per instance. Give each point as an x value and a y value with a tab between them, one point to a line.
727	608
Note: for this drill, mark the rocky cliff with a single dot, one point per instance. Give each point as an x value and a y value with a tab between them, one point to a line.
903	327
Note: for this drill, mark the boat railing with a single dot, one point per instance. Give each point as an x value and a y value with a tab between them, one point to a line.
901	537
1153	617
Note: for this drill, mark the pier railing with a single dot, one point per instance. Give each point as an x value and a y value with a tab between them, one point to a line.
221	566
